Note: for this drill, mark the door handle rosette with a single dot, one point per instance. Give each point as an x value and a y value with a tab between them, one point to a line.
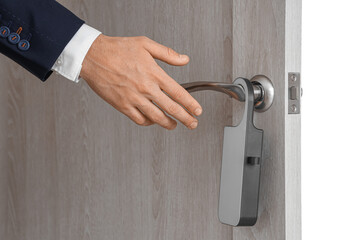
242	149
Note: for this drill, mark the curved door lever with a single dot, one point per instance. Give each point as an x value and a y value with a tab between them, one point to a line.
235	91
241	159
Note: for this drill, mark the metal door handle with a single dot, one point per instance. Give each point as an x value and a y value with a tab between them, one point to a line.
242	151
235	91
262	86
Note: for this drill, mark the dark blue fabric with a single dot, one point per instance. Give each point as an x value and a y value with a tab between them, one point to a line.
50	25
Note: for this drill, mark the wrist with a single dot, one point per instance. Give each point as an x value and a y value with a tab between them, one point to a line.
90	57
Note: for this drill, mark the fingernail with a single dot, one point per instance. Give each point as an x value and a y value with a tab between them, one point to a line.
193	125
183	56
198	111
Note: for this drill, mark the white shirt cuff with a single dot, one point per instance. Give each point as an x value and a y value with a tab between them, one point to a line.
70	61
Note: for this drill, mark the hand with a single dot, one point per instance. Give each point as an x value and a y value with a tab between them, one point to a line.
124	73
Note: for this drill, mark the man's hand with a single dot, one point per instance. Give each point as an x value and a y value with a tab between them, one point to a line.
124	73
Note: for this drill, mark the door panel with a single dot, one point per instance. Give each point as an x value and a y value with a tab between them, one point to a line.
72	167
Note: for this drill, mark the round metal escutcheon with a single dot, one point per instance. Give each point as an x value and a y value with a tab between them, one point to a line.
268	92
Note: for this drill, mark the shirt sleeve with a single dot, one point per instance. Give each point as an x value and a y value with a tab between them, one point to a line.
70	61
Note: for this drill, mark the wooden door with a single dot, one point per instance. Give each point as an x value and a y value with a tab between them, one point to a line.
74	168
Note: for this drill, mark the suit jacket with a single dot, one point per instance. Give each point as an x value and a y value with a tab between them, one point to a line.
44	28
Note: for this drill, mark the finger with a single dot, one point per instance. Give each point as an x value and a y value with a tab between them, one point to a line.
179	94
165	54
175	110
156	115
138	117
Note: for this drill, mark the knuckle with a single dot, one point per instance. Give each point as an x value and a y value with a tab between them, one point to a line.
189	120
146	87
178	93
192	106
173	109
144	105
171	52
158	118
143	39
123	107
142	88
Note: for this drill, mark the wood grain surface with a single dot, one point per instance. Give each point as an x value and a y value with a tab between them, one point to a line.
74	168
267	40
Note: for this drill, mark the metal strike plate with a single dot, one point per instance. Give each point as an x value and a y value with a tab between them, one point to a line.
295	91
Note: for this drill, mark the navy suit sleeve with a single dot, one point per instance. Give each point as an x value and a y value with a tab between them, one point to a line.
46	26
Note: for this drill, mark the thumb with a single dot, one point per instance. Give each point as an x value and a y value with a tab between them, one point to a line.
166	54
